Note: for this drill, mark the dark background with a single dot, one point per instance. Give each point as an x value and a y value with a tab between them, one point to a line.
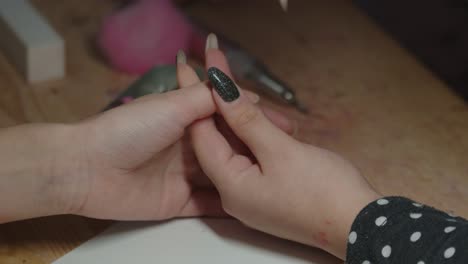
436	31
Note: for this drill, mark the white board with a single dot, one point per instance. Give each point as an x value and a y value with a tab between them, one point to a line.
196	241
29	42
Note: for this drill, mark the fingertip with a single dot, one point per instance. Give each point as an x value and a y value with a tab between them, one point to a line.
216	58
211	42
186	75
181	58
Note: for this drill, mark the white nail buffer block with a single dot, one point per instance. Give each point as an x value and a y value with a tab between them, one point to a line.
29	42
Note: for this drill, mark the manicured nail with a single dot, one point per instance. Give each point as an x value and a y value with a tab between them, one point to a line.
181	58
253	97
211	42
223	85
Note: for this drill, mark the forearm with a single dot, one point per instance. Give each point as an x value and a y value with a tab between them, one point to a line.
34	163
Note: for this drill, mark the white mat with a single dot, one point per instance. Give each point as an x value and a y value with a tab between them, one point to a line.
198	241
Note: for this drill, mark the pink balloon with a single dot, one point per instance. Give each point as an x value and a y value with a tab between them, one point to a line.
144	34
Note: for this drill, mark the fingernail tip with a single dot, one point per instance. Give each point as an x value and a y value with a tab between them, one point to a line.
181	57
211	42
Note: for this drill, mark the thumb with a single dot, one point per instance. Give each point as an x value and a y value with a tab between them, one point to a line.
247	121
192	103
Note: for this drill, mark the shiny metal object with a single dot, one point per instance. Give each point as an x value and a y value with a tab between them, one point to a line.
284	5
245	66
159	79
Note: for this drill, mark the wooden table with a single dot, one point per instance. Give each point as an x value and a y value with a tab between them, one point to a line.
370	100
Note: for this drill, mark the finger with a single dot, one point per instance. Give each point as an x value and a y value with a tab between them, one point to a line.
280	120
211	147
190	104
247	121
186	75
214	56
203	131
188	79
253	97
203	202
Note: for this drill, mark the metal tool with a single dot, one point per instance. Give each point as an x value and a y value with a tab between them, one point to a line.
159	79
244	66
284	4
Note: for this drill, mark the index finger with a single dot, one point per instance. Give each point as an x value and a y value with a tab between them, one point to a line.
215	57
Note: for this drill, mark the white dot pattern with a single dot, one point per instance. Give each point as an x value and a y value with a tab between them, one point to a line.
382	201
386	251
449	252
381	232
449	229
415	215
352	237
381	221
415	236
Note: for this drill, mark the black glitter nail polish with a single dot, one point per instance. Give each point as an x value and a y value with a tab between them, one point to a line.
223	85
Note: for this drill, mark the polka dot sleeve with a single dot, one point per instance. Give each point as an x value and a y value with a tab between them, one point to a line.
398	230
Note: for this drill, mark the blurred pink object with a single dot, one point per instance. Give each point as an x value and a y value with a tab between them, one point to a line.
144	34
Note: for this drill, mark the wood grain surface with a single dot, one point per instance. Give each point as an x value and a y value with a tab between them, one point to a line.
370	101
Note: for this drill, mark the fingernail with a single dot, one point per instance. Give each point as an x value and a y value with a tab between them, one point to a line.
181	58
211	42
223	85
253	97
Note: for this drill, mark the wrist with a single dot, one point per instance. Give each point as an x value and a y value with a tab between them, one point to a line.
345	213
35	178
68	168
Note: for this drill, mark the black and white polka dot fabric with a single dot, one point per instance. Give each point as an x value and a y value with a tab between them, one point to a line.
398	230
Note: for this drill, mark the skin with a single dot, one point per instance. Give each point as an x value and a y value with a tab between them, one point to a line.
137	162
288	189
133	162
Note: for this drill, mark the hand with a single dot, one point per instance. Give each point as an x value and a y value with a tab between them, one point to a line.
139	165
288	189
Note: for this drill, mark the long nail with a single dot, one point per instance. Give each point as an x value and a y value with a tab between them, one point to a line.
181	58
223	85
211	42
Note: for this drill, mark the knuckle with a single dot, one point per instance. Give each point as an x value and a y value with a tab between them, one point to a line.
246	116
227	208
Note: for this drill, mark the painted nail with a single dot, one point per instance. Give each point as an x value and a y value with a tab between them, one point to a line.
211	42
223	85
181	58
